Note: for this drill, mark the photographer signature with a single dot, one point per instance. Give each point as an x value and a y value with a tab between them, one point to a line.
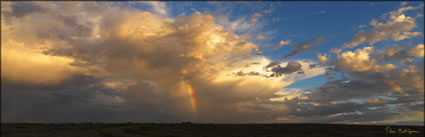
400	131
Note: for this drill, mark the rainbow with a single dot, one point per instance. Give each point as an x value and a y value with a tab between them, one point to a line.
191	93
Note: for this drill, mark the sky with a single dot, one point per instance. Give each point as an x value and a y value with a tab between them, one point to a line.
213	62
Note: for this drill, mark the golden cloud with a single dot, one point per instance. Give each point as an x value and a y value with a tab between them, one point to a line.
20	63
322	58
130	46
417	51
398	26
356	61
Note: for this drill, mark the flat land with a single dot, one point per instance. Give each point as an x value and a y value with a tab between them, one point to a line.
206	130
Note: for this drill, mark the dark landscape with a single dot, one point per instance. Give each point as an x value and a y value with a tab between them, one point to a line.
187	129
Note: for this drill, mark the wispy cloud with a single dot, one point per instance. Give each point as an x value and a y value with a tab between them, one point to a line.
304	46
159	7
319	12
255	17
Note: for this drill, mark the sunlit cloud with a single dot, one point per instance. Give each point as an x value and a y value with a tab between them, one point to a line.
103	61
282	43
397	26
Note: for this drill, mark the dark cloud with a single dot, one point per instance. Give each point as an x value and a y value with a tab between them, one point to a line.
255	63
339	90
304	46
81	99
309	110
291	67
21	9
403	52
326	111
272	64
252	73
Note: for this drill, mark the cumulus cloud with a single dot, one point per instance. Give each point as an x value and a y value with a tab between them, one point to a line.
106	63
135	59
304	46
373	87
283	42
407	35
120	44
322	58
371	90
356	61
398	26
417	51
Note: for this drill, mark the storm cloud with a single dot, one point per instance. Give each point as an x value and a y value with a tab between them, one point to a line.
105	62
129	63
